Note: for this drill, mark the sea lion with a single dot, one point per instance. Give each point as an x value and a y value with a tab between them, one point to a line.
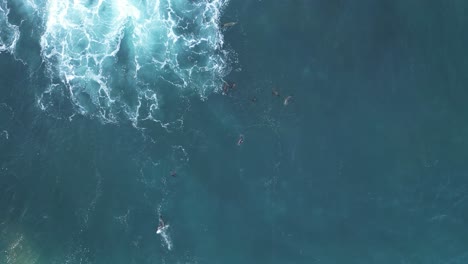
240	140
287	100
229	24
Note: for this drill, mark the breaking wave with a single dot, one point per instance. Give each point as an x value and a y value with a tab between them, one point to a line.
124	59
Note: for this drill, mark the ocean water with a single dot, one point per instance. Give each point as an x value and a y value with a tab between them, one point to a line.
115	114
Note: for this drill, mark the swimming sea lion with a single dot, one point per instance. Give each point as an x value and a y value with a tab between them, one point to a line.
229	24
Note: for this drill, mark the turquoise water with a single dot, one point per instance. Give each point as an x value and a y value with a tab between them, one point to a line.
101	101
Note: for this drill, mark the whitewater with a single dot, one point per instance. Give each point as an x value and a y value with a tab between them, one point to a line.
122	60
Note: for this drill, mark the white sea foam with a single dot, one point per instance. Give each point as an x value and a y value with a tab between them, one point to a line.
9	33
18	248
114	58
165	237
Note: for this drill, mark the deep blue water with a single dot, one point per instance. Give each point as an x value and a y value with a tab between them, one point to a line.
101	101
